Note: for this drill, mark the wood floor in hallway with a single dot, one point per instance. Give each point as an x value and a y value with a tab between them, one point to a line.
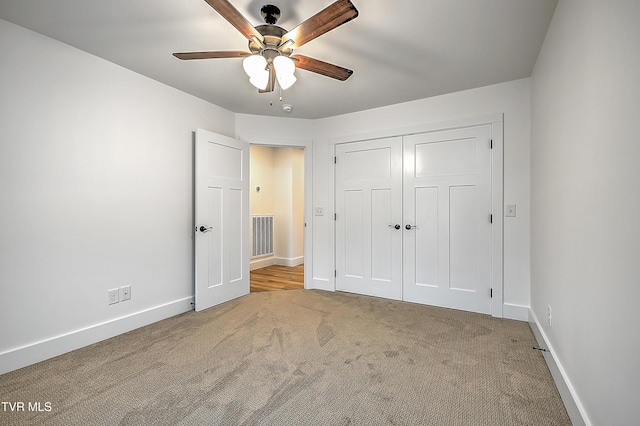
277	277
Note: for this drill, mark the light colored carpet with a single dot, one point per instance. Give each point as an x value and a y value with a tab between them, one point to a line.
299	357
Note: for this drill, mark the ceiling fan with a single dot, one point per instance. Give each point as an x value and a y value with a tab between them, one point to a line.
270	54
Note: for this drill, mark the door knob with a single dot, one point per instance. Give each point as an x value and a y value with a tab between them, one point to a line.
409	227
396	226
203	229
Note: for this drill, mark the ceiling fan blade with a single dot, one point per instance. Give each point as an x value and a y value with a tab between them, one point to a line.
212	55
321	67
331	17
235	18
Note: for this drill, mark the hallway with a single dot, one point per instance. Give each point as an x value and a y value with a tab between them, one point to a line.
277	277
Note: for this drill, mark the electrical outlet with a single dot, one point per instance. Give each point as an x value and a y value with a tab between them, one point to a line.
113	296
549	316
125	293
319	211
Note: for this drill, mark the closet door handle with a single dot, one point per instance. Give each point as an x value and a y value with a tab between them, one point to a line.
396	226
203	229
409	227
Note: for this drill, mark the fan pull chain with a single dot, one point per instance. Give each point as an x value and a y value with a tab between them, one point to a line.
280	97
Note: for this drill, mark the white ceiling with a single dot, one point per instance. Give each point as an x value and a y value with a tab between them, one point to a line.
399	50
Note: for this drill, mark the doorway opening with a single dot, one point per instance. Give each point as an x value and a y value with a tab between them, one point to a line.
277	185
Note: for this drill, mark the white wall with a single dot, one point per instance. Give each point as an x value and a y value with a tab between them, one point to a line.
512	99
585	202
289	217
297	201
278	131
262	176
96	191
262	203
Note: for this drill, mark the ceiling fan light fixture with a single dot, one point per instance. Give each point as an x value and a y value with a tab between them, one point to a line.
284	65
255	65
260	80
286	81
270	45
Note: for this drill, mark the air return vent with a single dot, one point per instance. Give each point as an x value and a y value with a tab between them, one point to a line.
262	231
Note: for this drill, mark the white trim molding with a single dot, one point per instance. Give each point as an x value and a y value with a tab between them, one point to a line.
261	263
286	261
572	403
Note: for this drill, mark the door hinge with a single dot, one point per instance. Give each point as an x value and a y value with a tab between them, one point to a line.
335	216
335	160
491	144
490	218
335	273
491	293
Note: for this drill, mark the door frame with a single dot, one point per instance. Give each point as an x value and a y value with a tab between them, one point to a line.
495	121
307	146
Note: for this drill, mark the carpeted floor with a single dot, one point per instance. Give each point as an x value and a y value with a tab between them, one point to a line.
299	357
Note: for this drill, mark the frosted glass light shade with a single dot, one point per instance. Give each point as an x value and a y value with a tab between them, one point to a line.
260	79
284	71
284	65
254	65
286	81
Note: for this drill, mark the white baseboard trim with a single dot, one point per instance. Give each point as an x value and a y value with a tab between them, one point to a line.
515	312
30	354
572	403
295	261
280	261
261	263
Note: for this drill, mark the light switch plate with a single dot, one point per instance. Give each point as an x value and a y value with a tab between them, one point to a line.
510	210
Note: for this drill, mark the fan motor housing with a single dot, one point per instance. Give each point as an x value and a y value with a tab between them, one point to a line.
272	35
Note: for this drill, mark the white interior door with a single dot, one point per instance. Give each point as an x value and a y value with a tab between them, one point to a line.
369	206
221	219
447	205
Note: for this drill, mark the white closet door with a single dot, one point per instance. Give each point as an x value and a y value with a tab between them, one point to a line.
369	206
447	228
